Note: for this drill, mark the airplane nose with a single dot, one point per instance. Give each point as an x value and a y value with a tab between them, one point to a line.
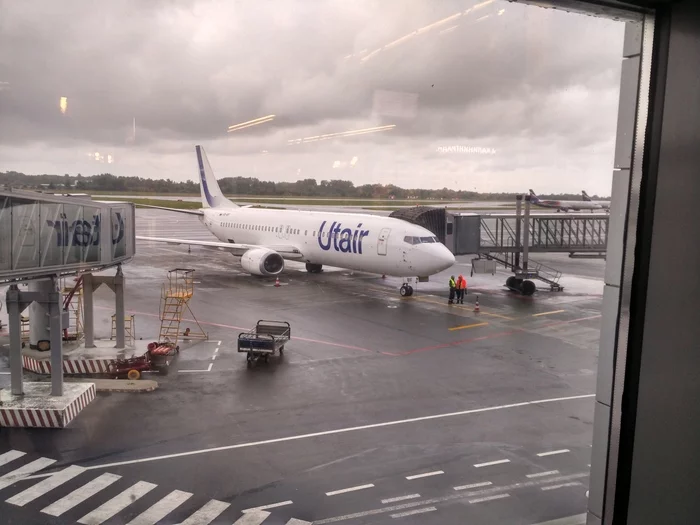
447	258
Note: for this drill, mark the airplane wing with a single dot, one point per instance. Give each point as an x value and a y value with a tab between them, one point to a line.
178	210
286	251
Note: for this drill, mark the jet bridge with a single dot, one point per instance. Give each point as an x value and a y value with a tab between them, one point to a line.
44	237
509	238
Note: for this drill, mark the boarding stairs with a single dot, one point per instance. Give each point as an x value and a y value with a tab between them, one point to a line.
510	258
175	298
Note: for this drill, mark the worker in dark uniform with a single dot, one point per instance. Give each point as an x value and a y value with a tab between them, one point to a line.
453	289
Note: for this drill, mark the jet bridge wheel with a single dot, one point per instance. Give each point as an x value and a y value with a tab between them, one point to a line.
528	288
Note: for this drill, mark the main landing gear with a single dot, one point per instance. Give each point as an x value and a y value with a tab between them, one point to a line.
406	290
314	268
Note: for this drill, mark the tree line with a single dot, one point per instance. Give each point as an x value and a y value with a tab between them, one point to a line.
106	182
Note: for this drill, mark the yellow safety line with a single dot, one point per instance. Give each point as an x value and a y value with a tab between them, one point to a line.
548	313
462	307
467	326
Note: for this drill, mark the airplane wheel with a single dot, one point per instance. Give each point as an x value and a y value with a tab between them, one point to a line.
404	290
410	291
510	282
314	268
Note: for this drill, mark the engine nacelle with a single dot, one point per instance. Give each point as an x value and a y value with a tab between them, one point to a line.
261	261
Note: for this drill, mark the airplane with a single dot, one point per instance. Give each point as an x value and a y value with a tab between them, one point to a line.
604	204
265	238
564	205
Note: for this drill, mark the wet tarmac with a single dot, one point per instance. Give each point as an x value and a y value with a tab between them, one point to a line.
382	409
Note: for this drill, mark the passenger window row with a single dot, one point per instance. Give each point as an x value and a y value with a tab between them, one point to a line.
259	227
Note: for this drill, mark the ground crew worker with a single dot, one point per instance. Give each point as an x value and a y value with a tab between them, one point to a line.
461	288
453	289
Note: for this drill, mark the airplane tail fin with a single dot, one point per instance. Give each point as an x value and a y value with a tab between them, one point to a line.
212	196
533	196
585	195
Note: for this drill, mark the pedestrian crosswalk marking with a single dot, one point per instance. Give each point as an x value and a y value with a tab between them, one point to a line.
161	509
41	488
30	468
117	503
207	513
108	510
254	517
10	456
79	495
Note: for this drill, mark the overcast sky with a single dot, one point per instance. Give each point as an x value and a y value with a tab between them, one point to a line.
536	89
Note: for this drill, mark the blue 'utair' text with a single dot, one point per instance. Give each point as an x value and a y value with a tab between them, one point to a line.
342	239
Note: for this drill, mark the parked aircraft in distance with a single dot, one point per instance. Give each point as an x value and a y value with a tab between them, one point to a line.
604	204
265	238
564	205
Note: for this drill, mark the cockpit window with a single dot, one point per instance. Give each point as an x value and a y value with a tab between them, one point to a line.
411	240
427	239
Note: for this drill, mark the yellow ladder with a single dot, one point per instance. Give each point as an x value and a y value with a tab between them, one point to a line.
129	336
175	297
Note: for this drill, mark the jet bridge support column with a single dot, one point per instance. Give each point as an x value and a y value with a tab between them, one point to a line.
88	312
116	284
518	212
38	313
526	231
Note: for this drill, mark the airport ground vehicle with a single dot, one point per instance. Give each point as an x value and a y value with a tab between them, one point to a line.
266	339
132	367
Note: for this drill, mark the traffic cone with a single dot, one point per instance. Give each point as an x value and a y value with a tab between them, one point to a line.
277	281
476	306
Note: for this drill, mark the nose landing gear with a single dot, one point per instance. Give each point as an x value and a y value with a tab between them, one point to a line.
406	290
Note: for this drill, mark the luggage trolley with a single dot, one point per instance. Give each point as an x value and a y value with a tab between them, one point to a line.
266	339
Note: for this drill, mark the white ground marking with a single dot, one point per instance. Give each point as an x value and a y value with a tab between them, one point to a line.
541	474
498	462
452	497
270	506
81	494
255	517
579	519
553	452
161	509
400	498
295	521
489	498
411	512
335	431
425	475
117	503
41	488
473	485
30	468
350	489
10	456
208	513
552	487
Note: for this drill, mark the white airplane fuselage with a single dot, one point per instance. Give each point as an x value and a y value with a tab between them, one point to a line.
354	241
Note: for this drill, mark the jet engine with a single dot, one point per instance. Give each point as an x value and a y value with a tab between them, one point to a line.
261	261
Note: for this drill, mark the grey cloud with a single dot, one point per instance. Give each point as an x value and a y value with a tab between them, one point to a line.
188	69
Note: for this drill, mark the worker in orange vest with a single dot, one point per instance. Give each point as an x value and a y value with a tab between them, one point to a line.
461	289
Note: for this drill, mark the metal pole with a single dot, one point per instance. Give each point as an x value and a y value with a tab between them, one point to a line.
119	302
88	312
56	338
526	231
518	212
12	299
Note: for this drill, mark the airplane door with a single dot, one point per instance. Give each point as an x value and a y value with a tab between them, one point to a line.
382	241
